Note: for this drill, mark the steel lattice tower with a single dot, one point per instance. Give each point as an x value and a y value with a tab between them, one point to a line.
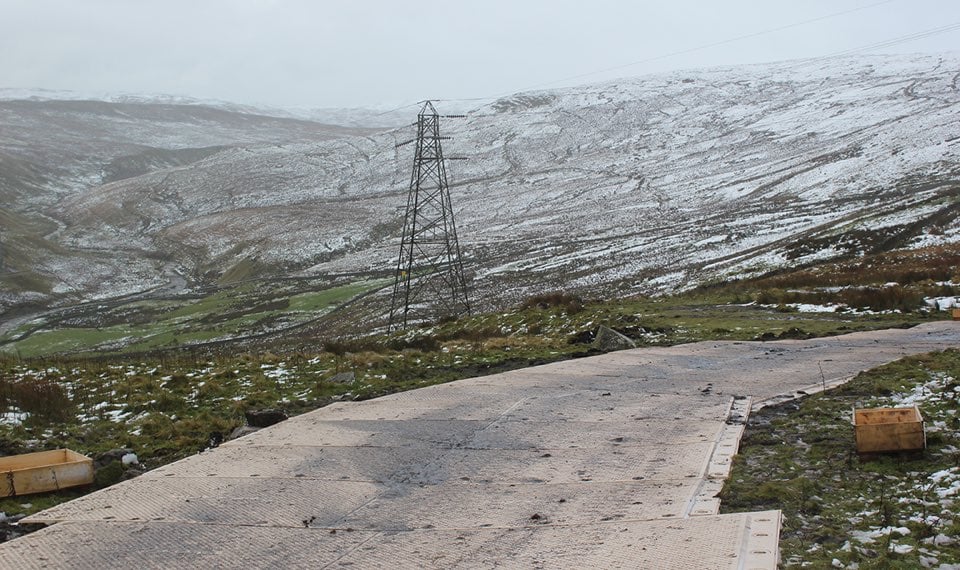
429	283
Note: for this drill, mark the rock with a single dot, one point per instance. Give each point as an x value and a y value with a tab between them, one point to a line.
108	457
215	439
794	333
265	417
109	474
9	531
131	473
343	378
609	340
129	459
242	431
583	337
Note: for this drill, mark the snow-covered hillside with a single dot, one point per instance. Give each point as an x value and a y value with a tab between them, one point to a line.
636	185
355	117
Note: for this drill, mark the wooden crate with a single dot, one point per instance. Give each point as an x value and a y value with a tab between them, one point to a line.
956	314
44	471
888	429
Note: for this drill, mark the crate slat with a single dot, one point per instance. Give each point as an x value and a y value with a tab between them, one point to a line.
888	429
44	471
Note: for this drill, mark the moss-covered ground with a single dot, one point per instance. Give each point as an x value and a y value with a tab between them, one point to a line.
140	326
843	510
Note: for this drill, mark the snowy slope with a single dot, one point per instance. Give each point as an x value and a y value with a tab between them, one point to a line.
357	117
640	184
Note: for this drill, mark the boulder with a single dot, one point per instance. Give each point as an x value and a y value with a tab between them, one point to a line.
107	457
343	378
241	431
265	417
609	340
130	473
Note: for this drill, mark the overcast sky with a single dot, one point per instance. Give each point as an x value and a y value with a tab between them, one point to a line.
348	53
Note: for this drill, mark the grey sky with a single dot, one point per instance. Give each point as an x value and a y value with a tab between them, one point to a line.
326	53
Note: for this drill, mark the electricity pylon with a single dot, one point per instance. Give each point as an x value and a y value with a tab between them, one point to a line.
429	282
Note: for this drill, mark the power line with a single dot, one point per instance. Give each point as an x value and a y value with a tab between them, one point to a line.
422	101
698	48
877	45
869	47
414	104
900	40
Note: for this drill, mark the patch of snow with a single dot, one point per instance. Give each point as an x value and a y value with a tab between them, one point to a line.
13	418
901	548
941	303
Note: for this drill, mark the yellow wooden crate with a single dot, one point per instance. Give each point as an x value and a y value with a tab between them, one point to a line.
44	471
888	429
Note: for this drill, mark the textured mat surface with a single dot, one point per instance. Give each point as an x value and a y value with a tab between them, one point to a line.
613	461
